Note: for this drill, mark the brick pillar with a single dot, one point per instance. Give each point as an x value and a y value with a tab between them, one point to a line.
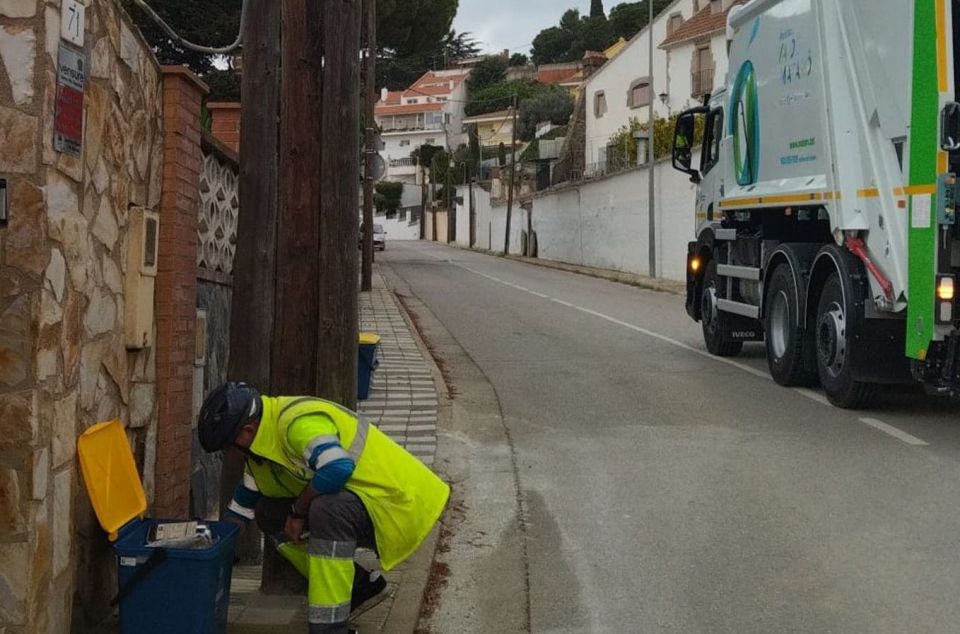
176	289
226	123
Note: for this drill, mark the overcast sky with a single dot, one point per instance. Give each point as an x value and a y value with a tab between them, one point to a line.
513	24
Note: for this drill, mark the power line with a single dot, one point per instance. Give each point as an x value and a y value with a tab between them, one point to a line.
209	50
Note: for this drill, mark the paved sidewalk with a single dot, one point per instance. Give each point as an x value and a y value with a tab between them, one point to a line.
403	404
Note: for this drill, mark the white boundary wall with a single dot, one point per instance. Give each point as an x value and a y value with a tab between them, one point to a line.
600	223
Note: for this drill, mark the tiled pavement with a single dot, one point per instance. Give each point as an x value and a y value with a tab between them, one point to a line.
403	404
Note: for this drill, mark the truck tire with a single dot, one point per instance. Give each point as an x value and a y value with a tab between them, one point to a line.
791	351
715	323
834	334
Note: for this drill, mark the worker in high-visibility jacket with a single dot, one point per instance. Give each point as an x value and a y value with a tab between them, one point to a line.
316	469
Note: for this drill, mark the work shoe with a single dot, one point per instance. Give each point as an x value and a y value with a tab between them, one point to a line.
369	589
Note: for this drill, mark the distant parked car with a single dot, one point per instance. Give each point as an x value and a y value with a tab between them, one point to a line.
379	237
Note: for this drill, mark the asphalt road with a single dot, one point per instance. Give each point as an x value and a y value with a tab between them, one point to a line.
636	484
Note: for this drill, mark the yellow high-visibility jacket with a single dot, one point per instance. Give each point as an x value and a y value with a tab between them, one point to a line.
403	497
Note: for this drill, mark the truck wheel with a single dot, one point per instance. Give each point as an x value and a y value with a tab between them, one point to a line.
790	350
715	323
834	336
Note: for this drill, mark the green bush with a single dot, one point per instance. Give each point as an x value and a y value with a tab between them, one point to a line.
500	96
387	196
554	105
622	152
489	71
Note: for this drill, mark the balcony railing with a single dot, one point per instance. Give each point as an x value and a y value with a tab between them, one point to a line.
403	127
403	162
702	82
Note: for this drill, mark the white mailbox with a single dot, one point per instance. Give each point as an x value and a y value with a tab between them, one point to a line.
141	274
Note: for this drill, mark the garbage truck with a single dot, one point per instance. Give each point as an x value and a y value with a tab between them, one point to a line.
826	187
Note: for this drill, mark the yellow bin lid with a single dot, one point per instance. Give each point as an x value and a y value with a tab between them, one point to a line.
369	338
110	474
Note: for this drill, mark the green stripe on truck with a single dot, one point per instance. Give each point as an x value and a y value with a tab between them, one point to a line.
923	171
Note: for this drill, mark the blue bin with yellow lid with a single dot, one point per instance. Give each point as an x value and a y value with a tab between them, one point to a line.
161	589
367	363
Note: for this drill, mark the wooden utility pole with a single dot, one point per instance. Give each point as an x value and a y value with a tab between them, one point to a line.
303	103
448	200
513	175
433	201
370	149
295	316
473	217
296	302
423	197
255	266
339	318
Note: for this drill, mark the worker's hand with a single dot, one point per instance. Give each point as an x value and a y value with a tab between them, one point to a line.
293	529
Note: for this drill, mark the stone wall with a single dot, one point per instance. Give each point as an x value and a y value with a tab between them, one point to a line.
63	363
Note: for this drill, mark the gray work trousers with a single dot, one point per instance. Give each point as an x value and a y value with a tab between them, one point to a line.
336	518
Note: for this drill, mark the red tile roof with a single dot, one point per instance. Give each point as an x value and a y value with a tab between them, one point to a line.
386	110
431	77
427	90
555	75
704	23
393	97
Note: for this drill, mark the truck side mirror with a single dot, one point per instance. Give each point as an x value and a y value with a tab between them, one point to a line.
683	139
950	127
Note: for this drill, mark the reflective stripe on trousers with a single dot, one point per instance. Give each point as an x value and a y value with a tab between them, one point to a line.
331	580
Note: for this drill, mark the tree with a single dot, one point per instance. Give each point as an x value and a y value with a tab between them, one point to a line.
409	28
224	85
500	96
474	148
554	105
413	37
489	71
424	155
464	163
596	9
551	45
518	59
595	35
210	23
213	23
628	18
388	196
568	41
458	46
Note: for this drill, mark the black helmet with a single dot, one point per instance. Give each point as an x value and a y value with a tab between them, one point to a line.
224	412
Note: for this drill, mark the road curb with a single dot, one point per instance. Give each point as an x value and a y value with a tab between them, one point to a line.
630	279
404	616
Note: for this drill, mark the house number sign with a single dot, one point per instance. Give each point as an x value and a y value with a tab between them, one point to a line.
71	21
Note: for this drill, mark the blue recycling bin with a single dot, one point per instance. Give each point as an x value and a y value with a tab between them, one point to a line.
367	363
171	590
161	590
